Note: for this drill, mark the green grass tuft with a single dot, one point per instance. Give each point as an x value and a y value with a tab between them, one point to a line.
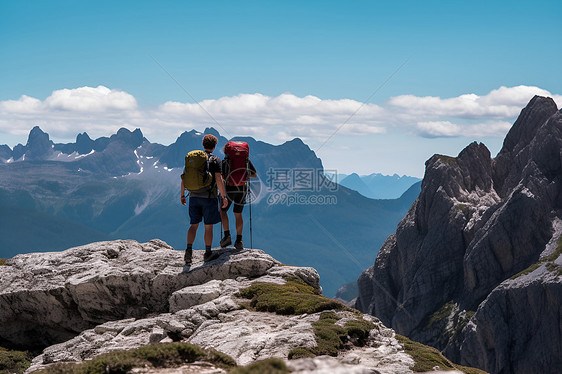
550	266
440	314
157	355
2	261
293	297
301	352
269	366
220	359
530	269
461	207
14	361
426	358
554	255
331	338
358	331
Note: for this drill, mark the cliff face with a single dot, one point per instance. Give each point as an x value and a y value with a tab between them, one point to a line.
443	277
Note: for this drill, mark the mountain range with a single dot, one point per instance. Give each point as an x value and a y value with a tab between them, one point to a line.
475	267
54	196
378	186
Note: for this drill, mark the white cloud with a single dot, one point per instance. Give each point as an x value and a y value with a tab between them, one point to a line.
436	129
101	111
502	103
24	105
82	99
89	99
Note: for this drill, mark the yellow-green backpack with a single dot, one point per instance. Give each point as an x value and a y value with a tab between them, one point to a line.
196	175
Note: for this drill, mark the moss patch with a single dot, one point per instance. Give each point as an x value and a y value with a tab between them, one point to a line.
331	338
2	261
157	355
554	255
530	269
549	260
554	268
14	361
269	366
358	331
440	314
293	297
426	358
297	297
448	159
461	207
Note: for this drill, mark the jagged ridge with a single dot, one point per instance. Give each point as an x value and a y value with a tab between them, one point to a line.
477	222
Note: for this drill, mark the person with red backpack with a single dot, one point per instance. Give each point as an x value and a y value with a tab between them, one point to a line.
201	177
237	169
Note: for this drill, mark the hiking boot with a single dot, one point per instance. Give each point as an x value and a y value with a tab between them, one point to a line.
209	255
188	255
239	245
227	240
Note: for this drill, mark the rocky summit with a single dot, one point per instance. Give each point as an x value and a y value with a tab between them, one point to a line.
76	305
474	268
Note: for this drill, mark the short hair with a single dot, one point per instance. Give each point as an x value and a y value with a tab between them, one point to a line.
210	141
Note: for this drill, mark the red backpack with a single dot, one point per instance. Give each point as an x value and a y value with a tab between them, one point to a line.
236	163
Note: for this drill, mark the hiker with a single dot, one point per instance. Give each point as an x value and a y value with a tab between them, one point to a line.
201	177
236	169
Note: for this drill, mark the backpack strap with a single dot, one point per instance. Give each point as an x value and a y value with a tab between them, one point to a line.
213	184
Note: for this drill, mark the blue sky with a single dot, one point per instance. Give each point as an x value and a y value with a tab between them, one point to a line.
335	53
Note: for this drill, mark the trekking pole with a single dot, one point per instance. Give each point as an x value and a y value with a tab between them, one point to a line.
250	203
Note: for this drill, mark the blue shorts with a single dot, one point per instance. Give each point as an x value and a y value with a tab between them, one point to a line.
204	208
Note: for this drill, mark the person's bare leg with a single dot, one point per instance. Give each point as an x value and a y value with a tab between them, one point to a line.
239	223
191	233
208	235
190	239
224	220
239	227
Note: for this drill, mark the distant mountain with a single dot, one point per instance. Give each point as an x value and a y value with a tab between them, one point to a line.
5	152
124	186
475	267
378	186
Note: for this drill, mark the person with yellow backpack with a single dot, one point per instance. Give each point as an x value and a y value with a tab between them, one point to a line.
201	177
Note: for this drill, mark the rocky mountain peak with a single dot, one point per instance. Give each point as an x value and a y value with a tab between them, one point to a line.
84	144
212	131
5	152
38	144
132	139
476	223
514	155
531	118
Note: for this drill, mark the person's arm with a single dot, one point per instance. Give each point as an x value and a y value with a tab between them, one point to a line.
182	199
222	190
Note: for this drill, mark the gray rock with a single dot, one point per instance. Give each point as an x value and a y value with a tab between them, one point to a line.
122	295
477	222
47	298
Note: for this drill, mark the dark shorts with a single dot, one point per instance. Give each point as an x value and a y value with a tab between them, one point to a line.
236	195
202	208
